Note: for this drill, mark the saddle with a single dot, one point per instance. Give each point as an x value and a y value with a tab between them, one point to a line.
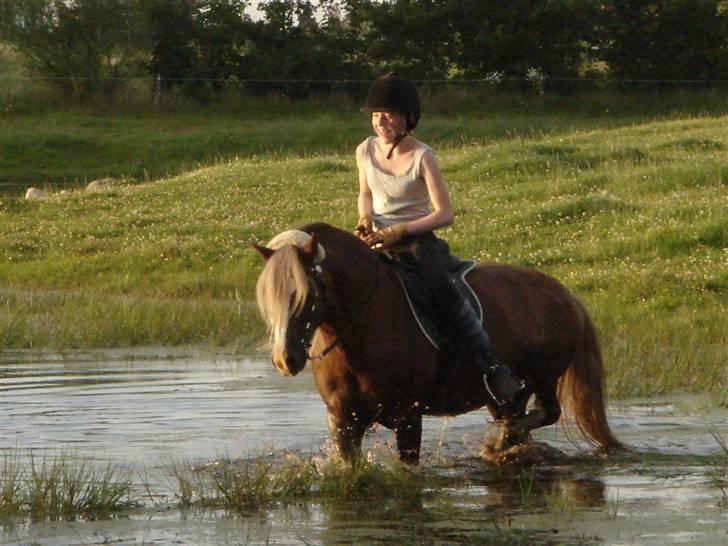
421	298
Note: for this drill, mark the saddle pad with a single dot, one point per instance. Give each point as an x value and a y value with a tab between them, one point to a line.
420	300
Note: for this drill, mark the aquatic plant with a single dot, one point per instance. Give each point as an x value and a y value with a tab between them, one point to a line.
11	487
63	486
257	483
718	474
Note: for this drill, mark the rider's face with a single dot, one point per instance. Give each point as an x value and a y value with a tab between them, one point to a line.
388	125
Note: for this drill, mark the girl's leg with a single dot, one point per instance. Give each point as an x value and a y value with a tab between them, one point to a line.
432	256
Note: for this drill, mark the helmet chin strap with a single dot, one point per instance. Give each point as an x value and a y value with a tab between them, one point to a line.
399	138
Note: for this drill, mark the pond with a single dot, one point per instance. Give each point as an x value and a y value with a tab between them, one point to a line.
153	408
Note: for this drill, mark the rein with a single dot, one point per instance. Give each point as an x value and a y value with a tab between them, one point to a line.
337	340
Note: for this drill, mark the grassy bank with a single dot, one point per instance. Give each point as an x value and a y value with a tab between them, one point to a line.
630	213
49	144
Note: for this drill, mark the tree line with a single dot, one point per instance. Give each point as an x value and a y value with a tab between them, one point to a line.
200	48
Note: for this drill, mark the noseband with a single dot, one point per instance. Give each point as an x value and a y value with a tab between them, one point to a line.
319	285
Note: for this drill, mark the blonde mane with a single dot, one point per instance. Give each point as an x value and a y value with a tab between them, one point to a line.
282	287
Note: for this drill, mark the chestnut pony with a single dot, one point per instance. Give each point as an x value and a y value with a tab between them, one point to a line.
327	298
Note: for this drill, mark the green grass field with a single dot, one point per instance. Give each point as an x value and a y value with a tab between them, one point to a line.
628	208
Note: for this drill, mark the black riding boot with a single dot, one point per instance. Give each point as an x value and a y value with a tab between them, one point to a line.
500	382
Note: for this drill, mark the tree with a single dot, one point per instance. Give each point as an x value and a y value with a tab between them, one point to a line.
82	47
222	34
197	45
297	53
549	35
665	39
170	25
408	36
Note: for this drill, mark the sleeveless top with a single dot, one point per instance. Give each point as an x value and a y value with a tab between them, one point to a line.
396	198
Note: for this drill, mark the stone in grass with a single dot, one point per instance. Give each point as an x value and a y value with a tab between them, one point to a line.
100	184
34	194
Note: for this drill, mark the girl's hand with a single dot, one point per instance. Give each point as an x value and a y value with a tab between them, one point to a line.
364	227
384	238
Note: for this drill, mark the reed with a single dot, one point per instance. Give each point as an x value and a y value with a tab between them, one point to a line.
718	471
261	482
63	487
11	486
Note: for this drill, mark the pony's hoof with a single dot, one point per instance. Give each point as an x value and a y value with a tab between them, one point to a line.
525	454
509	433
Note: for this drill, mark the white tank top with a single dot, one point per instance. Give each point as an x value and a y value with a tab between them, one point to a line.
396	198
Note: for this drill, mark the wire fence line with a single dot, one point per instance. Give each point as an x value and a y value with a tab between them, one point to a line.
234	80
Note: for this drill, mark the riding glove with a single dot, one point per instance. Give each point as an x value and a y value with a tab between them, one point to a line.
364	226
384	238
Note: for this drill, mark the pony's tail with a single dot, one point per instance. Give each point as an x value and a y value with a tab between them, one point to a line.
581	392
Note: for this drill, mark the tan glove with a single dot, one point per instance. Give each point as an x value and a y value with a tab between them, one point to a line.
384	238
364	226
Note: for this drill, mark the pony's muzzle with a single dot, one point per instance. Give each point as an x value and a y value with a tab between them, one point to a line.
293	365
289	365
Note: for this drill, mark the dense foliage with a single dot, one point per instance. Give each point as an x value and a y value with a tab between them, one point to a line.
201	47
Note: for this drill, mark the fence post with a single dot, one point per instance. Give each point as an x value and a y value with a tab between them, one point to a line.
158	91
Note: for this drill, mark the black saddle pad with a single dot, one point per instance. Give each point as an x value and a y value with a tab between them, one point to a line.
421	299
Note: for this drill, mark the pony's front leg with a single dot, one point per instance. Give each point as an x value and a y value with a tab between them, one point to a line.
347	434
409	439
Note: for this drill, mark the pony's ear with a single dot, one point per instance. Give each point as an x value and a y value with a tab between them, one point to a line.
314	250
311	246
263	251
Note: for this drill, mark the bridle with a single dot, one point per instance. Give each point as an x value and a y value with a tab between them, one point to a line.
318	282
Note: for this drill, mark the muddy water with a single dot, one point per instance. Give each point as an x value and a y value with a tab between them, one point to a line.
149	409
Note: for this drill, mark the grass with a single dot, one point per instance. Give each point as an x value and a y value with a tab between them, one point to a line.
62	487
445	503
718	474
50	144
258	484
629	210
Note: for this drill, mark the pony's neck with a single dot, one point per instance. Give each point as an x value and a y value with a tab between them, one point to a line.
352	268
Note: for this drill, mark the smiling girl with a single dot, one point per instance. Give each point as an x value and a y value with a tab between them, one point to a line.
402	200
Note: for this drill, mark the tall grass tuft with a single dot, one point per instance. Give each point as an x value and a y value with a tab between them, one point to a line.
63	487
258	483
11	486
718	474
367	480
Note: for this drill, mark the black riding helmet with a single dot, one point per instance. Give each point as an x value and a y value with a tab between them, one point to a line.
392	93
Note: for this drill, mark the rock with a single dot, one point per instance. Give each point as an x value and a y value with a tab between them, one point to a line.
100	184
34	193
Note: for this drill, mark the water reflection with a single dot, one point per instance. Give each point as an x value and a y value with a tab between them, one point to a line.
475	513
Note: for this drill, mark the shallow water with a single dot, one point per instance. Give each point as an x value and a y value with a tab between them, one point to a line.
152	408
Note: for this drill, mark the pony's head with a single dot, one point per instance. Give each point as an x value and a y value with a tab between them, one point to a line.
290	298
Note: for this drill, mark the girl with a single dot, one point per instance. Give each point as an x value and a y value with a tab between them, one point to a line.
402	200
